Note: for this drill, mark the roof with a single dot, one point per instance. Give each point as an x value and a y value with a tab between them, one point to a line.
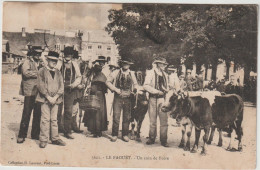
4	42
17	42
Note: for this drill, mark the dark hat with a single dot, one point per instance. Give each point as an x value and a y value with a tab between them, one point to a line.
126	61
53	55
171	68
35	51
160	60
100	59
68	51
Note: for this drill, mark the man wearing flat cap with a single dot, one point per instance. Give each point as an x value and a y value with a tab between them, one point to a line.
156	84
122	82
29	90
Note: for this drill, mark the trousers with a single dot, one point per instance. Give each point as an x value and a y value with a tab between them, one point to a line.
68	109
154	110
121	104
29	105
49	122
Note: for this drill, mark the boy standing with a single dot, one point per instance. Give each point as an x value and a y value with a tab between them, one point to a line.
51	87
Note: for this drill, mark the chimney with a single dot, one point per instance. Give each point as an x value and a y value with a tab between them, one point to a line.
23	32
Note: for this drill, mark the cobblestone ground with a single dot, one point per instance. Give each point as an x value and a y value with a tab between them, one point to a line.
87	151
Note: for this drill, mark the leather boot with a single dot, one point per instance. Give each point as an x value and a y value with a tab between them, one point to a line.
74	125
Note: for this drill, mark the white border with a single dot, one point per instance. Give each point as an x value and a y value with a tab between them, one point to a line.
142	1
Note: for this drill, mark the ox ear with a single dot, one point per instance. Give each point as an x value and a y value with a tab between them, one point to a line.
186	94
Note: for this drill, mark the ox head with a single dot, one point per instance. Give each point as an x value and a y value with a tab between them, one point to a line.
176	103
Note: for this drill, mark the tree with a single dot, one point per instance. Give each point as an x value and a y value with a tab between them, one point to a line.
144	31
200	33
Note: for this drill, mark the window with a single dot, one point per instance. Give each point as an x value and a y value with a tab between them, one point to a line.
89	47
57	47
108	48
108	59
99	46
4	58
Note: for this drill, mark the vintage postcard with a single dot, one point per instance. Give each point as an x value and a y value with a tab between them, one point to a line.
131	85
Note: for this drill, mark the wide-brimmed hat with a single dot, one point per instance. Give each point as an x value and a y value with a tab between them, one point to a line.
53	55
171	68
35	51
113	65
68	51
126	61
160	60
100	59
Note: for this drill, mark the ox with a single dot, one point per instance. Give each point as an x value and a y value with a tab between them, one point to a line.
227	114
197	109
139	107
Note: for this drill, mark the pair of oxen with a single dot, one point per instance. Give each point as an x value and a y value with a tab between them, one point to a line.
206	111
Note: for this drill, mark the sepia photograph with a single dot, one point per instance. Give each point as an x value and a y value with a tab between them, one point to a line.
129	85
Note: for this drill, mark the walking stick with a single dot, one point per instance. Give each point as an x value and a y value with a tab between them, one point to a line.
136	100
80	116
84	93
111	107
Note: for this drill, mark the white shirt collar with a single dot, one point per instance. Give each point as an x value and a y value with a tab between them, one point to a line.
48	68
125	72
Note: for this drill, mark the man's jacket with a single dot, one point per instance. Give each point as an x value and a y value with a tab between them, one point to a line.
28	85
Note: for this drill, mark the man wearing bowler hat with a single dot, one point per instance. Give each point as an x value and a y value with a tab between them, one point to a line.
156	84
29	90
72	79
122	82
50	86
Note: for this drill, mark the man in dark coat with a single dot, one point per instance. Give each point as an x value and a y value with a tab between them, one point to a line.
29	90
220	86
233	87
72	78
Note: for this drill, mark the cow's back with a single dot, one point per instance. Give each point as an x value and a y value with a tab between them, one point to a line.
227	109
201	112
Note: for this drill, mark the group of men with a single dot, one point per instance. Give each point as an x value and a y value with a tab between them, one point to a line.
47	87
56	86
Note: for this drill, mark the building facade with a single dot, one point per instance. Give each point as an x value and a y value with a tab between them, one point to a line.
97	43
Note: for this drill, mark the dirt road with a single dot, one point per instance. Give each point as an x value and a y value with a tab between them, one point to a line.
88	151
